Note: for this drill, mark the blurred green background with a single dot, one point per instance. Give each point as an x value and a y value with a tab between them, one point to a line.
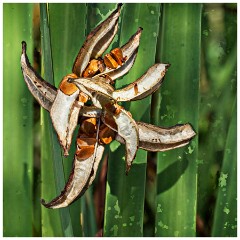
190	191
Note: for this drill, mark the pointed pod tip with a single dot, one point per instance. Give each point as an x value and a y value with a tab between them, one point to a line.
127	169
168	65
24	47
119	6
43	202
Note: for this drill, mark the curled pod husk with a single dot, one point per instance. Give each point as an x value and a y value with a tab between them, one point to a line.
81	176
64	115
97	42
144	86
41	90
129	52
155	139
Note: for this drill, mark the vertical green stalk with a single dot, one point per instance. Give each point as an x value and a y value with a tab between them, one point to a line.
96	13
225	215
17	124
67	29
179	45
51	152
124	208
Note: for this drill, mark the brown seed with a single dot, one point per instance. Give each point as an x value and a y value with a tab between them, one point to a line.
106	135
84	153
66	87
109	120
136	89
91	69
117	55
110	62
85	142
82	97
88	126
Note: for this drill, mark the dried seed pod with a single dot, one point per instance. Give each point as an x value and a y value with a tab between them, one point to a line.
41	90
144	86
155	139
117	54
66	87
128	130
110	62
97	42
129	53
79	180
91	69
64	115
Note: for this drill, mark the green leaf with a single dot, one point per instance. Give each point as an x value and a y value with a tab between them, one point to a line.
124	208
17	124
51	152
67	28
225	215
179	45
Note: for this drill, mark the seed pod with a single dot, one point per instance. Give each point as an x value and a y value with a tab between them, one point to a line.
144	86
155	139
129	53
97	42
79	180
41	90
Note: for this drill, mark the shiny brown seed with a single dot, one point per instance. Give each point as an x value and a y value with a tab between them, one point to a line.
66	87
117	55
106	135
110	62
85	141
91	69
82	97
88	126
84	153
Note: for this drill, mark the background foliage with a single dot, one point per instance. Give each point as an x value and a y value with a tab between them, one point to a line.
185	192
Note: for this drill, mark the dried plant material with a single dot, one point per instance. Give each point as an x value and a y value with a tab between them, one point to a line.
106	135
89	86
155	139
97	42
92	68
77	181
129	53
144	86
104	120
88	126
117	55
43	92
110	61
66	87
64	117
90	111
128	130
